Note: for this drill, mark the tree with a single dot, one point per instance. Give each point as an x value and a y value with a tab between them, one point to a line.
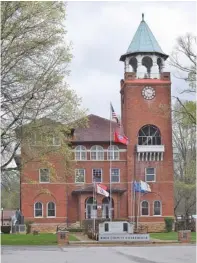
186	50
183	58
10	190
184	140
35	56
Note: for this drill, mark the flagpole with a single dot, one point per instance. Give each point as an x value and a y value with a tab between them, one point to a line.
138	208
94	196
110	164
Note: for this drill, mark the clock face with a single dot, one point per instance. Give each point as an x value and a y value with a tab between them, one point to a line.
148	93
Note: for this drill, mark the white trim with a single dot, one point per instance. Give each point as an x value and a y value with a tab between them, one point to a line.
160	208
73	183
35	210
39	176
105	150
150	148
84	175
141	208
111	176
100	160
101	175
47	210
151	174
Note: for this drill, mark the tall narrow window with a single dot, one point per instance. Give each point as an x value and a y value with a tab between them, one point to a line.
51	209
150	175
80	153
97	153
157	208
113	153
79	175
38	209
144	208
97	175
44	175
115	175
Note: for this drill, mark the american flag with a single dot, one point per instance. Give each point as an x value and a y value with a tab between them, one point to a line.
114	115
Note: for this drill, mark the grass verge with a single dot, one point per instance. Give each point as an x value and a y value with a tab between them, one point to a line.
30	239
170	236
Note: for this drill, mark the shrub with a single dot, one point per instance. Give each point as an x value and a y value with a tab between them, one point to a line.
28	226
75	230
169	223
6	229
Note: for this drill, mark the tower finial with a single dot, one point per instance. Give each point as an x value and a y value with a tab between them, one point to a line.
142	16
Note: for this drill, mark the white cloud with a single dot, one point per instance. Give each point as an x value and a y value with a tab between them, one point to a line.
102	31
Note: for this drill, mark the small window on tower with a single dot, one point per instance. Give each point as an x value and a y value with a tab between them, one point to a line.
150	174
44	175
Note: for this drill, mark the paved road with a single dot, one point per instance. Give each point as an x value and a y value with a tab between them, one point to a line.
145	254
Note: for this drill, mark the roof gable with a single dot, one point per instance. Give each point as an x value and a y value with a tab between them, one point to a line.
97	130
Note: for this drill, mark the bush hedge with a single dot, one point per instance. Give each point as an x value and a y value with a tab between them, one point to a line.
169	223
5	229
75	230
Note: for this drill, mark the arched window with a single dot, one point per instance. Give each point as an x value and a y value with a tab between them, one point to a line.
51	209
160	64
149	135
157	208
97	153
148	63
80	153
38	209
144	208
133	63
113	152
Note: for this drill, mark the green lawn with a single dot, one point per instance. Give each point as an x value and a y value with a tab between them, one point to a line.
30	239
170	236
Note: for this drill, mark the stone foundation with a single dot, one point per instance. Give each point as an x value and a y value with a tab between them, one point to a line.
154	227
151	227
44	228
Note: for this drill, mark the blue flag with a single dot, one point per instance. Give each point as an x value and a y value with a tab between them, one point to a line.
141	187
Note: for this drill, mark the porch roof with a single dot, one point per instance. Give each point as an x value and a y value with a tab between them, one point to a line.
89	189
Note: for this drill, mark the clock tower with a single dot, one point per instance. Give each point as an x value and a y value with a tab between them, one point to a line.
146	118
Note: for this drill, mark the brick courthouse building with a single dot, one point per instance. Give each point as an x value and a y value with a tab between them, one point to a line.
145	95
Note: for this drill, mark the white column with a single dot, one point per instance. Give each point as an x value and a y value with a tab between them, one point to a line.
155	68
141	70
127	66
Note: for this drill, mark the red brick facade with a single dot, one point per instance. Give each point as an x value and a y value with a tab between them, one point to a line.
70	198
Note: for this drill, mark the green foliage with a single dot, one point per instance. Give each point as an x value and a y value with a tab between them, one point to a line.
6	229
10	190
35	55
169	223
169	236
75	230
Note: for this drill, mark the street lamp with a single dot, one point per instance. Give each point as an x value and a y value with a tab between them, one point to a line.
2	216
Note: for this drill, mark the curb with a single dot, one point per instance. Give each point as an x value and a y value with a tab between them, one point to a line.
144	243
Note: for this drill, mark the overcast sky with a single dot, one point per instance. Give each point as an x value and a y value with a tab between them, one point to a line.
102	31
